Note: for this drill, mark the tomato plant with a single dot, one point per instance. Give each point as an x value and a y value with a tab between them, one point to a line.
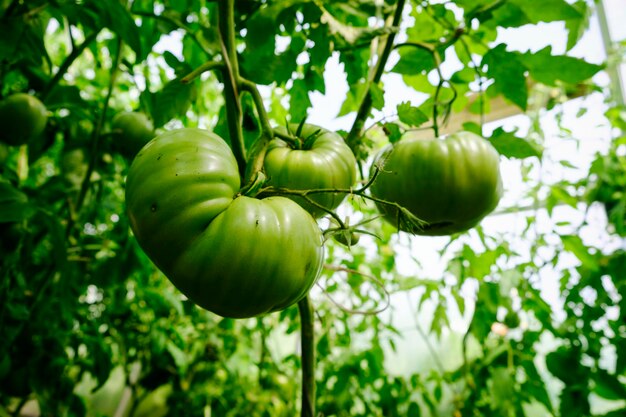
449	183
315	159
23	117
131	131
236	256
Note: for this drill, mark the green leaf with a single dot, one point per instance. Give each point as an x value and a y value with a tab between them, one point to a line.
117	18
509	75
353	99
299	101
411	115
550	10
576	27
548	69
414	60
14	204
392	131
172	101
511	146
378	96
608	386
575	245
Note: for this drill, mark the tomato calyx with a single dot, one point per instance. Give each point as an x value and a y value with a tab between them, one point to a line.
254	187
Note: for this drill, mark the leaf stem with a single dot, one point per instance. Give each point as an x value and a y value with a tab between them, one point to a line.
354	136
307	344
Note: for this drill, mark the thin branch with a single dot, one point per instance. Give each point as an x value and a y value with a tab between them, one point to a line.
354	136
69	60
372	278
207	66
96	138
307	344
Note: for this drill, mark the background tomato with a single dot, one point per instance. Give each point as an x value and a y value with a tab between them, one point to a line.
450	183
132	130
235	256
22	117
324	161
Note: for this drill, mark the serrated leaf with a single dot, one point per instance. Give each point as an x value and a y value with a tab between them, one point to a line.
508	73
392	131
411	115
172	101
414	61
550	10
548	69
511	146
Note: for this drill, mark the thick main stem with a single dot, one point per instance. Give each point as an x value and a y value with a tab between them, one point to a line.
354	137
231	75
308	357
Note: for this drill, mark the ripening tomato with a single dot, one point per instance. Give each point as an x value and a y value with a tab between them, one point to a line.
321	161
233	255
450	183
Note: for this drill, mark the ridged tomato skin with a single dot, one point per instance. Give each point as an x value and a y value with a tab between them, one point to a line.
23	117
264	256
450	183
233	255
326	162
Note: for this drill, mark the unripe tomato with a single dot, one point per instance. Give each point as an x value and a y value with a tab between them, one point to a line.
132	130
22	117
324	162
450	183
233	255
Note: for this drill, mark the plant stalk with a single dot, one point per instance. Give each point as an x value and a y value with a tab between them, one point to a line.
230	71
308	357
354	136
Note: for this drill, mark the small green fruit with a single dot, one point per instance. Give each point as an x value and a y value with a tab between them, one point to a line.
23	117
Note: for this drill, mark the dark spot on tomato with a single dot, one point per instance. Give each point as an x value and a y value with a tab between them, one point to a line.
153	207
160	156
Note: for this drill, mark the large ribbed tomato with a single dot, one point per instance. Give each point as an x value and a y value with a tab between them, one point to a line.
23	117
450	183
324	161
233	255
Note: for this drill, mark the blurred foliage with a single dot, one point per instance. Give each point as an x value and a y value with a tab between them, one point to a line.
88	326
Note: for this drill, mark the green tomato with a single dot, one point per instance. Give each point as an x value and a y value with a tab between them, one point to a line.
324	161
23	117
346	237
233	255
450	183
132	130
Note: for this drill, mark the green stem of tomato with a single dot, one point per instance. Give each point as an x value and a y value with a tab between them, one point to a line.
231	75
308	357
96	137
354	136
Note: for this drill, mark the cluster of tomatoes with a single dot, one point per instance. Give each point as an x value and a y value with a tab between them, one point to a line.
243	256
